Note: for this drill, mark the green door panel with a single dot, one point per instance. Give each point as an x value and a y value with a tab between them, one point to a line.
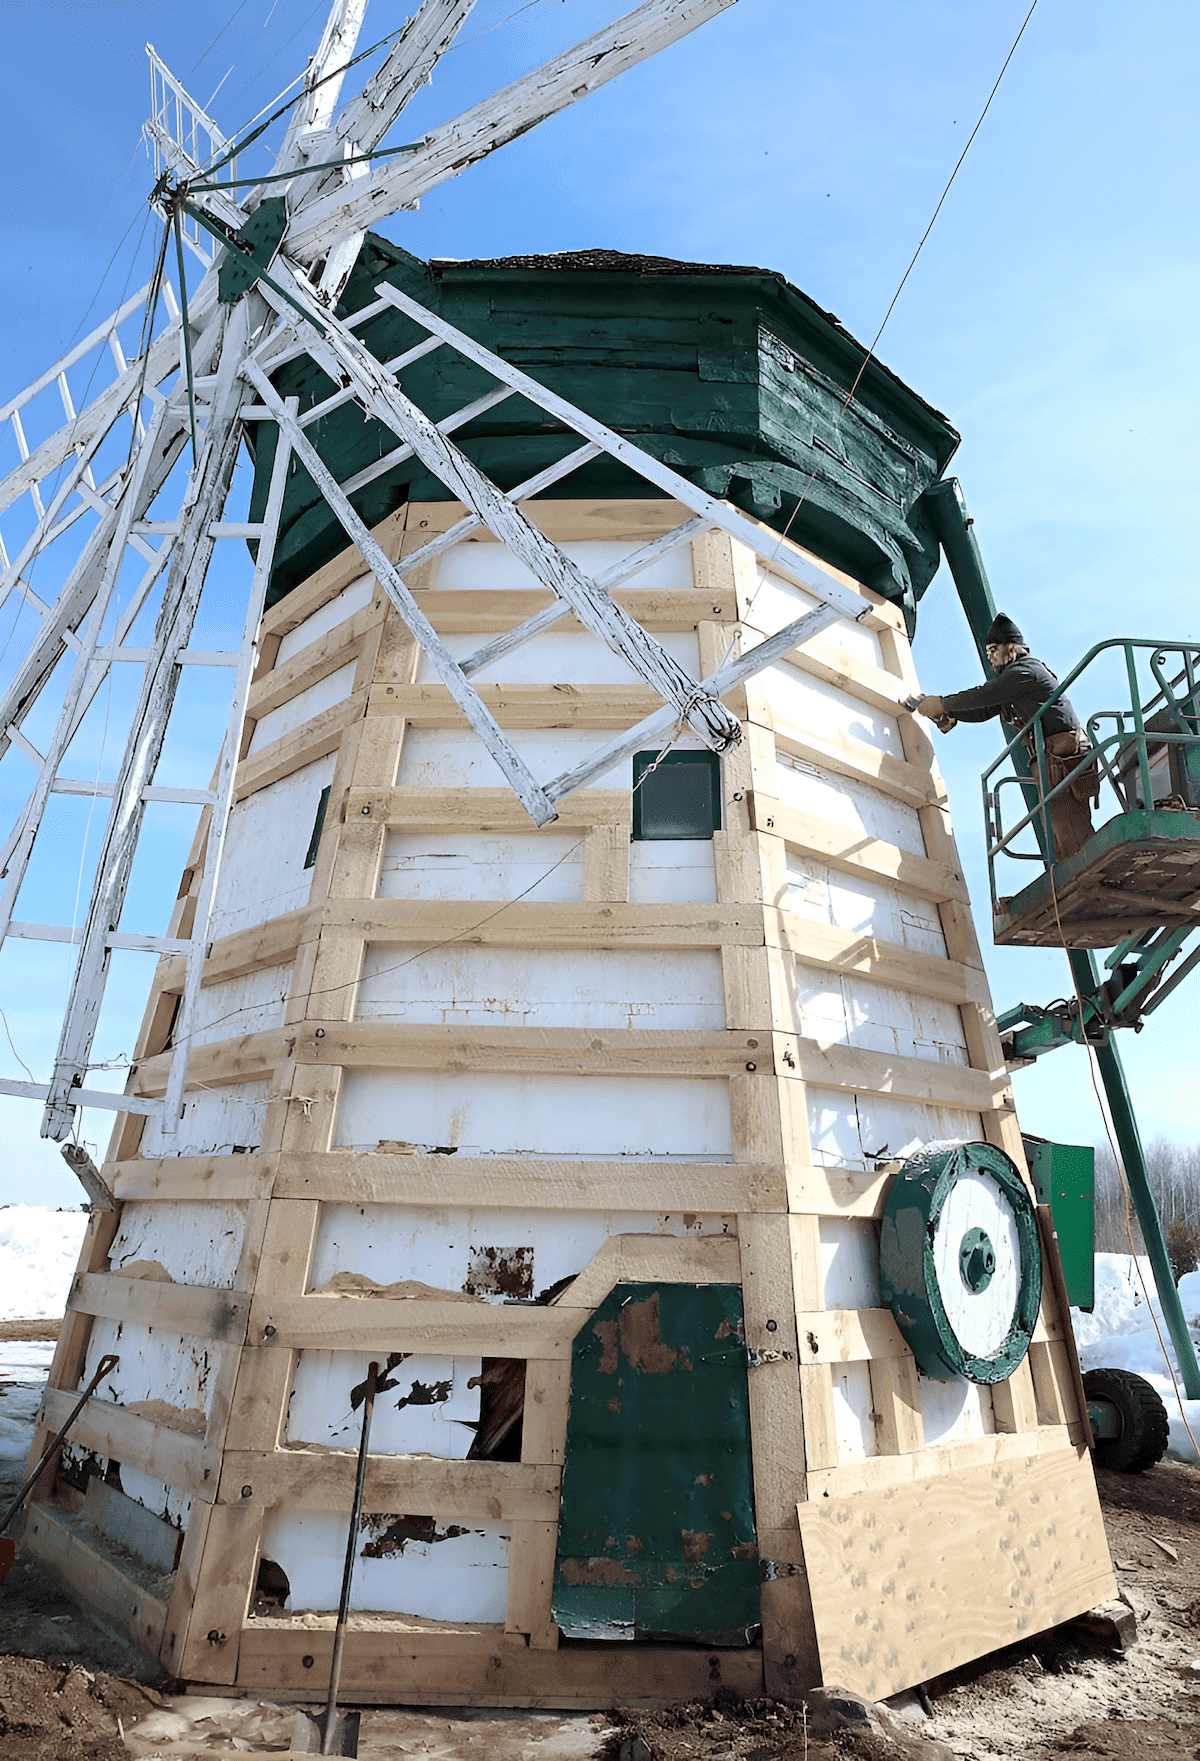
657	1537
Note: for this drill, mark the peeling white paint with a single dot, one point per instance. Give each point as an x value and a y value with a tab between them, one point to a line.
561	657
535	866
543	987
865	906
406	1420
803	705
876	1017
462	1578
391	1243
252	1003
850	1263
454	758
216	1121
480	565
856	1131
488	1114
198	1242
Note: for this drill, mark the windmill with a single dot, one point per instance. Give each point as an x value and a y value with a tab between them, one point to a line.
701	1198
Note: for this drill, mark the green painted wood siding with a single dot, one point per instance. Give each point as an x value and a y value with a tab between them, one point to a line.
731	376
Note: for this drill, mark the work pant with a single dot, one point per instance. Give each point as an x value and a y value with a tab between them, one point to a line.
1070	812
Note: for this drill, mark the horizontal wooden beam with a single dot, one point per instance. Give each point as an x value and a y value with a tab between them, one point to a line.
450	1326
467	610
193	1178
175	1457
470	923
436	1328
187	1309
327	654
863	956
856	852
484	809
323	1479
524	1183
522	1050
855	1070
520	706
401	1665
315	739
1019	1449
272	943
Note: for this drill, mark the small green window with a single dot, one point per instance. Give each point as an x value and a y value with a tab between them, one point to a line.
310	860
679	797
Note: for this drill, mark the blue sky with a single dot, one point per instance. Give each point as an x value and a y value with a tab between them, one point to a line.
1051	314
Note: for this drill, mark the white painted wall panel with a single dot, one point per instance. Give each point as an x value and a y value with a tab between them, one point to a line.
777	602
252	1003
198	1242
846	802
857	1012
430	1411
262	866
463	1576
856	1131
155	1366
453	1249
956	1409
850	1262
483	565
454	758
302	708
327	617
216	1121
672	871
543	987
852	1409
506	1115
535	866
802	704
866	906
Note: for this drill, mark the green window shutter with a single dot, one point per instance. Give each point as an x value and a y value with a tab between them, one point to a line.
679	797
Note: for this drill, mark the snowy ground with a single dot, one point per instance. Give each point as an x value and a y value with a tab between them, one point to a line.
1120	1335
38	1251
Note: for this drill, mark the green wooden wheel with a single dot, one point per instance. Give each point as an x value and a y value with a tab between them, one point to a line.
960	1261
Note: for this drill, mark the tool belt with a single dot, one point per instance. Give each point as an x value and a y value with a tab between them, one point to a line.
1063	752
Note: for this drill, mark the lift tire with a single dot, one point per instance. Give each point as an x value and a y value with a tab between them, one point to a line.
1145	1430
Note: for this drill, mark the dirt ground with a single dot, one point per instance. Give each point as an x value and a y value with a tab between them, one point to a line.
65	1683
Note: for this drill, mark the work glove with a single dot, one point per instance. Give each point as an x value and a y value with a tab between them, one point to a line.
931	706
944	723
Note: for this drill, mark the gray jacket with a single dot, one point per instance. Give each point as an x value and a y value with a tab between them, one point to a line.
1015	695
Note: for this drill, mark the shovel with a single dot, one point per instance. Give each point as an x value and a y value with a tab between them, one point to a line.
8	1547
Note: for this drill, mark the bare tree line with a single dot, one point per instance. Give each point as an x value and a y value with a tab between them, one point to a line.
1174	1171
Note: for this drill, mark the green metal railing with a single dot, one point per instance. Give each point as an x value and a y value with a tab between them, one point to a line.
1127	748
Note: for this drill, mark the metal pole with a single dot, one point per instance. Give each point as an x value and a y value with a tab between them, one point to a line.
339	1637
953	525
1129	1142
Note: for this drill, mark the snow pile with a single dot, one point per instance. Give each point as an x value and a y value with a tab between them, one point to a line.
38	1251
1119	1335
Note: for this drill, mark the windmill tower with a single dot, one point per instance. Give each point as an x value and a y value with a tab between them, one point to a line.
571	996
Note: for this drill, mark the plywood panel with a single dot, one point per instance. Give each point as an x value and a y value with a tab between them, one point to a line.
912	1580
